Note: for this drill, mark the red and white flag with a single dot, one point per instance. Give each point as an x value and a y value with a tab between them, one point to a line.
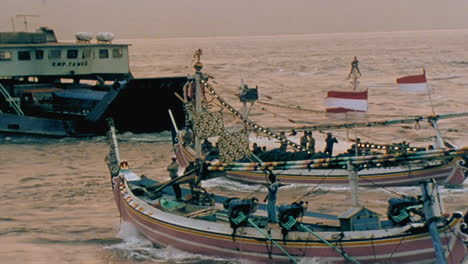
413	83
342	102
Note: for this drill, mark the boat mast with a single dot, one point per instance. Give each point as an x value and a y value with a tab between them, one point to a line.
198	77
113	158
430	209
353	183
355	81
439	142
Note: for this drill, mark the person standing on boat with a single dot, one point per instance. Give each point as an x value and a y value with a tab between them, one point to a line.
354	67
173	169
311	143
271	197
283	144
304	140
355	148
330	140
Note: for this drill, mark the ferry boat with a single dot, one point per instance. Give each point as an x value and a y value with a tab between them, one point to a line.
63	89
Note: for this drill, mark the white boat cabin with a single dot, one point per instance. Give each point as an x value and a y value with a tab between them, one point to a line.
40	54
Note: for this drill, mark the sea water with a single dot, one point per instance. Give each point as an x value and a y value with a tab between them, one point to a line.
57	204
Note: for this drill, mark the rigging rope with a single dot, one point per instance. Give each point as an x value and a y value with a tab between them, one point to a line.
248	122
277	115
318	184
380	186
407	119
300	108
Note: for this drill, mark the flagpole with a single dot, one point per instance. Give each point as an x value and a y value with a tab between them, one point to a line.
430	98
439	139
429	92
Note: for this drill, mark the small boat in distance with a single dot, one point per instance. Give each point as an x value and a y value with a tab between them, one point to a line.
63	89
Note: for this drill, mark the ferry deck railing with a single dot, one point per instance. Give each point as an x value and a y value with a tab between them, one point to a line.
11	101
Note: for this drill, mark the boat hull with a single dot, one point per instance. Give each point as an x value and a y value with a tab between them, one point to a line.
140	99
449	173
214	238
446	174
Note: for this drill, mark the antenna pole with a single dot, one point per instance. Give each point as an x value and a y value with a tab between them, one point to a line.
13	24
25	24
26	20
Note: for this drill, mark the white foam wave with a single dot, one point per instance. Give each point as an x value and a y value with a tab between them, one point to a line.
164	136
230	185
136	247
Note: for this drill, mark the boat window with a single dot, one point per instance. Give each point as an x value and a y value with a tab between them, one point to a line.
5	55
55	54
87	53
39	54
24	55
117	53
103	53
72	53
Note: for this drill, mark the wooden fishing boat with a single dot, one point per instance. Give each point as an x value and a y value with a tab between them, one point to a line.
235	228
417	230
377	168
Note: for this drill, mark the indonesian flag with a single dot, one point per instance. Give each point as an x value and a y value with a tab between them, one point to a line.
413	83
342	102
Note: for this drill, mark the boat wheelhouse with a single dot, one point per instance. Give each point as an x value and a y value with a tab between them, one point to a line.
39	55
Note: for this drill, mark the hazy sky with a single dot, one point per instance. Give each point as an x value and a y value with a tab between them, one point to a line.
183	18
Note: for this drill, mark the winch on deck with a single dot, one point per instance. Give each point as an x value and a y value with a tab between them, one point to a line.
239	210
402	210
